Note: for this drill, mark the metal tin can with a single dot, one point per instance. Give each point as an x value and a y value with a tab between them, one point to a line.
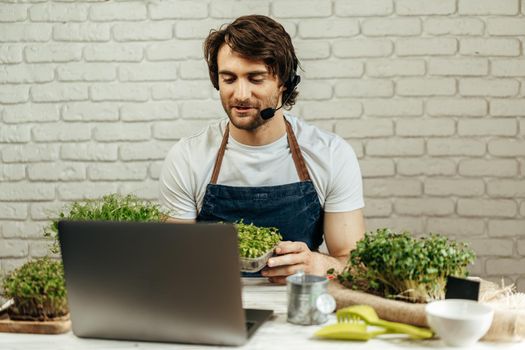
308	301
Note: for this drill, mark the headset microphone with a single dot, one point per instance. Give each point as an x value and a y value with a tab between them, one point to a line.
267	113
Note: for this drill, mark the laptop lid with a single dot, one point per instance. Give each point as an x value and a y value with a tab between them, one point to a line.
153	281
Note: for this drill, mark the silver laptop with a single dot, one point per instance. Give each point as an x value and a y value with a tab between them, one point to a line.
156	282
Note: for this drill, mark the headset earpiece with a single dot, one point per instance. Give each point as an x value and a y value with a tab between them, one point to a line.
296	79
293	80
291	83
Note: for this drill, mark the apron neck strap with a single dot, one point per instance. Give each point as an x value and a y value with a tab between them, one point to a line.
297	157
220	155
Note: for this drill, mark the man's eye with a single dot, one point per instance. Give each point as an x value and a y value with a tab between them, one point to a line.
228	81
257	81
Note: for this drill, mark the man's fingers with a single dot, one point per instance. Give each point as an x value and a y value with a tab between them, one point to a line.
291	257
288	259
287	247
277	280
282	271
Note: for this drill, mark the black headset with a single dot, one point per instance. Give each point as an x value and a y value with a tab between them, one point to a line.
291	85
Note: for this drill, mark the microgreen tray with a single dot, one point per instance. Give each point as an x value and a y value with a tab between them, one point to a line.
256	264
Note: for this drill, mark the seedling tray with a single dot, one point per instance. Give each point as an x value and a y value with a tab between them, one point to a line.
256	264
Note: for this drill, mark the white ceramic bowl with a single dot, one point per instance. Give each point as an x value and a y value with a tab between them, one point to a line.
459	322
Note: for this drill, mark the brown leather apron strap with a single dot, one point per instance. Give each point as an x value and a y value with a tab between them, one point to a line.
296	154
220	155
297	157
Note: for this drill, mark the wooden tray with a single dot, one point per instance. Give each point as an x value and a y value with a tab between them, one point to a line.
58	326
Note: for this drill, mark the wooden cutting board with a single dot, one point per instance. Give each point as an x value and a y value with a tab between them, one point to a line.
61	325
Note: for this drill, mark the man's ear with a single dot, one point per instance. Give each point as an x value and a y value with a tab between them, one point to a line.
282	87
282	92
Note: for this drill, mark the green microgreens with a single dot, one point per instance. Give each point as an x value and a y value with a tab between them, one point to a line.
254	241
38	289
112	207
401	266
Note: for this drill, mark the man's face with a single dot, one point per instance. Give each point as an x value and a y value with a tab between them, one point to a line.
246	88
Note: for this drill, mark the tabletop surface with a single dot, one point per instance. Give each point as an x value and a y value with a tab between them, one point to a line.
274	334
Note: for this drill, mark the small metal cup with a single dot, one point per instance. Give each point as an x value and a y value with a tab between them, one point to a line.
308	301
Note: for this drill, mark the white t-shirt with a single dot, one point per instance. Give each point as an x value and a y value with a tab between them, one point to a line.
330	160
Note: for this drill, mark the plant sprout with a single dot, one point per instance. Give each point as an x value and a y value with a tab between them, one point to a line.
401	266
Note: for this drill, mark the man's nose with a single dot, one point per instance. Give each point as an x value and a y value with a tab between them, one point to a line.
242	90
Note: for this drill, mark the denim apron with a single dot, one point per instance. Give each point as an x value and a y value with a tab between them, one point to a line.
293	208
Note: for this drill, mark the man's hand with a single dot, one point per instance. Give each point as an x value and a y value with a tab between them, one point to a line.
341	232
292	257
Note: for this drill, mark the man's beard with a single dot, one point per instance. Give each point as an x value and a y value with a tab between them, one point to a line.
252	120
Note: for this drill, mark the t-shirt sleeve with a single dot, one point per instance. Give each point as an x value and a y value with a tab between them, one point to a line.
176	191
345	192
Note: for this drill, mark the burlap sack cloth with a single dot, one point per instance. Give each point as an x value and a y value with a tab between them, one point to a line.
507	325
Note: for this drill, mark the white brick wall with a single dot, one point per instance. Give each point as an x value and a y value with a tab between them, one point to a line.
430	93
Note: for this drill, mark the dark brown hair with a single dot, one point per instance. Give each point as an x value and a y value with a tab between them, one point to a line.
259	38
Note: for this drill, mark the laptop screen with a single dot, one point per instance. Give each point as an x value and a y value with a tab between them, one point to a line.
154	281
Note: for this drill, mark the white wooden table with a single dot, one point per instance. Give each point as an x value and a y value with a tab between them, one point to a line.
274	334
